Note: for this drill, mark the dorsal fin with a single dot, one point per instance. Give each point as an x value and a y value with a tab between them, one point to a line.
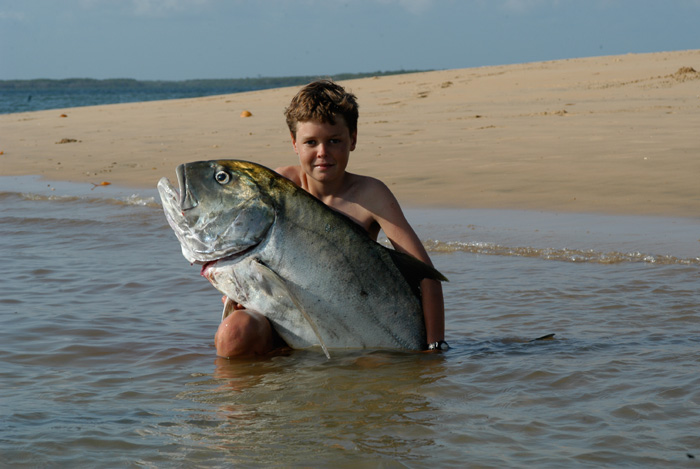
414	270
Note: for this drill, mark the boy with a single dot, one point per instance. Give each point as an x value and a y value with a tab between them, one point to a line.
322	120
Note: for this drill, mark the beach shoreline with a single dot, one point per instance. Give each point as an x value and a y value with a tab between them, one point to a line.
569	237
613	135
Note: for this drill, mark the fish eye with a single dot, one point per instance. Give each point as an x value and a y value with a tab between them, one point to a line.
222	177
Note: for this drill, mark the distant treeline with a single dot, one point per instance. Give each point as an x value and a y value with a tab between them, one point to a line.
233	83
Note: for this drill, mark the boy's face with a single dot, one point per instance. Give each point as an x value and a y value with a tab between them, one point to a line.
324	149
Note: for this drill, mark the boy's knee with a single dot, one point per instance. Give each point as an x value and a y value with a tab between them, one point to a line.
243	332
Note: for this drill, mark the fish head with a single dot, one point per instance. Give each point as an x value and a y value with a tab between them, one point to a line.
221	209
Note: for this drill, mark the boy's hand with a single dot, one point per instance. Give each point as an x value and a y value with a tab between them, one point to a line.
225	298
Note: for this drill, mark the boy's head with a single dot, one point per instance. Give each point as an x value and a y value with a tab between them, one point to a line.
322	101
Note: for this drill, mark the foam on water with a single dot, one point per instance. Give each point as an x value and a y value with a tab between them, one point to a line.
34	188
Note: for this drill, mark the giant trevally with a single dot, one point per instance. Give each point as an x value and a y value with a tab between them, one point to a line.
314	273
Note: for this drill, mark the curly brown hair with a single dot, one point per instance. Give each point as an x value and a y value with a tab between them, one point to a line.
321	101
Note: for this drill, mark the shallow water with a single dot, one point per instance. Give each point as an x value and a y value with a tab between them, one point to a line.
107	355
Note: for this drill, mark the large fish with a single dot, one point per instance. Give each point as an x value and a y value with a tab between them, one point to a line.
313	272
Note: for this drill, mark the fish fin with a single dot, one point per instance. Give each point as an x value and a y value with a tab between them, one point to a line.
414	270
277	281
544	337
229	306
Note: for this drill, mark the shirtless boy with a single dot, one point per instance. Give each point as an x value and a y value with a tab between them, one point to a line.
322	120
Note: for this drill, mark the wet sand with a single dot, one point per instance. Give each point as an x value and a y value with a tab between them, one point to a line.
614	135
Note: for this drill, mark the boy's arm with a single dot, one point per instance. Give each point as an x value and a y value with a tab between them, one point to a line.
392	221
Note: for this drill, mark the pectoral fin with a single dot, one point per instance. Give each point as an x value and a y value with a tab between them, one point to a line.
229	306
278	287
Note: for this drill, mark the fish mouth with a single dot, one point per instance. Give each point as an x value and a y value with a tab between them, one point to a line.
208	265
173	200
182	196
167	191
205	267
187	200
213	224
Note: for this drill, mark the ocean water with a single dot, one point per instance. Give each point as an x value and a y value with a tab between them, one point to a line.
43	94
28	100
107	357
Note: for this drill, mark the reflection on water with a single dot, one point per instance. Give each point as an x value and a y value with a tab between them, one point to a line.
106	345
357	407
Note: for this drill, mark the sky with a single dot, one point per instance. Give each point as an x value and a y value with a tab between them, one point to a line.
190	39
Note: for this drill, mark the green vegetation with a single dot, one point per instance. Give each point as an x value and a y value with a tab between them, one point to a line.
241	84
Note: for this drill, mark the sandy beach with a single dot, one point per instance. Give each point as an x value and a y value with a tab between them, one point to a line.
616	134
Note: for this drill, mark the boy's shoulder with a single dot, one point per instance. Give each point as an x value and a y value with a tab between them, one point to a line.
293	173
374	195
366	191
358	183
369	186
